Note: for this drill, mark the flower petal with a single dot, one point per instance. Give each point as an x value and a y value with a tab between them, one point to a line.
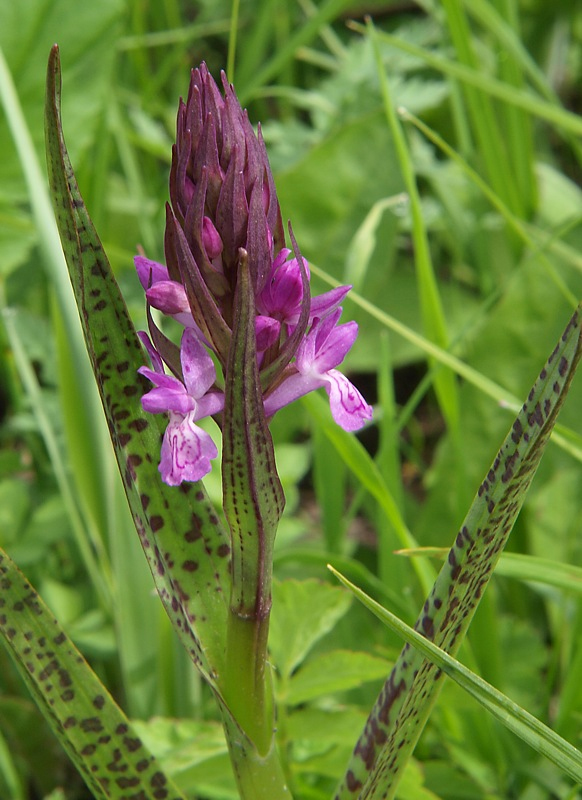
292	388
168	296
324	304
348	407
149	272
332	350
197	366
186	451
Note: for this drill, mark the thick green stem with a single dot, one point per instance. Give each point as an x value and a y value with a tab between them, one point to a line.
258	776
244	680
249	721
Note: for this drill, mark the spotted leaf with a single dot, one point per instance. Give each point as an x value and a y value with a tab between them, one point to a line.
94	731
184	542
405	701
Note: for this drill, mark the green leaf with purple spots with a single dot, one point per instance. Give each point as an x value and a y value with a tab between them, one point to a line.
185	544
404	703
94	731
541	738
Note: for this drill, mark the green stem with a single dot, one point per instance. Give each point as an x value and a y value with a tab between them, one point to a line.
259	777
244	681
248	717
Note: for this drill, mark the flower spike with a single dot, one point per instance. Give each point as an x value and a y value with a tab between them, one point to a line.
224	211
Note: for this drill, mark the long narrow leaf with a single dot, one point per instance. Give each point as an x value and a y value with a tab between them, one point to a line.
94	731
404	703
184	542
541	738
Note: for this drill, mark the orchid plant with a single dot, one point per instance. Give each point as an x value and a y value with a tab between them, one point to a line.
252	339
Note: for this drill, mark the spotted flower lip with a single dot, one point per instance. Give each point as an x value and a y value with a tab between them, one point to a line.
186	448
224	211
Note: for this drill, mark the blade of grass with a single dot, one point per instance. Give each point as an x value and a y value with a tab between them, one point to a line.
523	724
361	464
90	547
430	302
87	424
329	483
564	121
513	221
389	464
328	11
493	147
9	773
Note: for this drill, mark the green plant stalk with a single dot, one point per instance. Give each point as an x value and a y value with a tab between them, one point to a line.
244	680
258	776
253	502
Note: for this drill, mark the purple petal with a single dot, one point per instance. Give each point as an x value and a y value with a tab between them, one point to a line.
197	366
158	401
169	394
324	304
149	272
292	388
267	332
210	404
333	348
186	451
169	297
348	407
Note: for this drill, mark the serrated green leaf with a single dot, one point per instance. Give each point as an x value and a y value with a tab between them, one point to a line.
406	699
541	738
303	612
94	731
336	671
186	546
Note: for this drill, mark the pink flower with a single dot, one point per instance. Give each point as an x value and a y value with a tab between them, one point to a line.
186	448
323	349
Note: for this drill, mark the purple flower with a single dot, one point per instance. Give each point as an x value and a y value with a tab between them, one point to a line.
223	212
323	349
186	448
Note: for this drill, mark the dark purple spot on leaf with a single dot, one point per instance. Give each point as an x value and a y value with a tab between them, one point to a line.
91	724
563	367
156	522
